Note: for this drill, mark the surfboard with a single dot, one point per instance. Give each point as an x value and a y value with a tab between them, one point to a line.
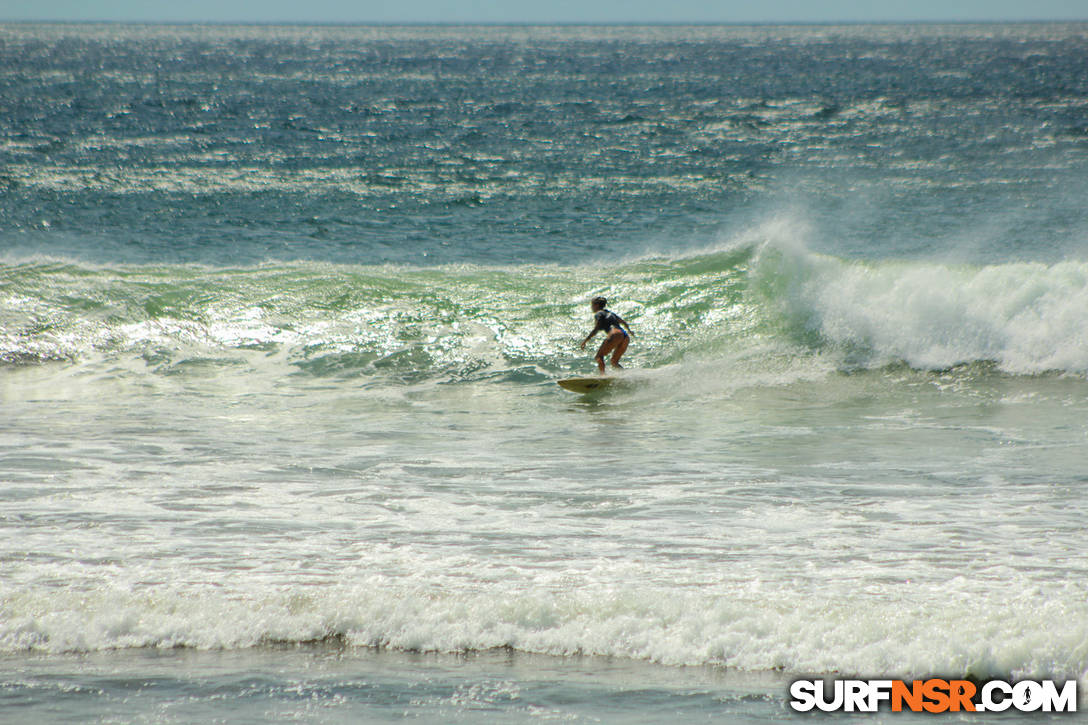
586	385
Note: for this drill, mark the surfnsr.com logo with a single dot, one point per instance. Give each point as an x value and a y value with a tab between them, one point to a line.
933	695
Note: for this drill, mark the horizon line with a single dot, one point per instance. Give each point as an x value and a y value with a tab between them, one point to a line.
542	24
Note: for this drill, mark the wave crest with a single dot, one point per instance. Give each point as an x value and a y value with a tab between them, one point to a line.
763	300
1027	318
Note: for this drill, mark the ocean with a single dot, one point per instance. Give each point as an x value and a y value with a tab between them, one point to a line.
281	315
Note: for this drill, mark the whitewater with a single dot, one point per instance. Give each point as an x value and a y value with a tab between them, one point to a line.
281	315
802	481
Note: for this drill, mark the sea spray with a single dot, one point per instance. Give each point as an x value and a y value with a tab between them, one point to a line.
459	323
1024	317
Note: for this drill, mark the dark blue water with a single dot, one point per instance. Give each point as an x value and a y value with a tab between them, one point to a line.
514	145
282	311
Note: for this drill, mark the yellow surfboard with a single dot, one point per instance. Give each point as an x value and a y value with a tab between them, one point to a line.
586	385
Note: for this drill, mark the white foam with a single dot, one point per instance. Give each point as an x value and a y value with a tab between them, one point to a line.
1028	318
899	629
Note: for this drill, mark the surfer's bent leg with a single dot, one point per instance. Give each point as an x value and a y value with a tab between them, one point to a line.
621	347
615	343
606	347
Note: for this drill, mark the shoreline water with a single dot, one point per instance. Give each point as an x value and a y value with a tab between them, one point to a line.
331	683
282	311
325	682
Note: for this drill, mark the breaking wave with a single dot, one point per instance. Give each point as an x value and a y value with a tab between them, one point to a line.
394	324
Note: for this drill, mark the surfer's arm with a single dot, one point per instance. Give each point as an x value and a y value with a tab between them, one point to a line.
627	327
589	337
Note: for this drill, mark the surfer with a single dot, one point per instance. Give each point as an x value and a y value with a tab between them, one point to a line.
617	333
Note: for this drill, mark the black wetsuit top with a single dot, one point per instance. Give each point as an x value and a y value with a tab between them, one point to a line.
606	320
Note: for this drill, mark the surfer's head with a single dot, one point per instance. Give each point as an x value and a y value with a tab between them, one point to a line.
598	303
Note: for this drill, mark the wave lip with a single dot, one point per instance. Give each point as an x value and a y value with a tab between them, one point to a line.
1027	318
764	301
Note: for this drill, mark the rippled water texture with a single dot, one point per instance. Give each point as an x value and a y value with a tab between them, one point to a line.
282	311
